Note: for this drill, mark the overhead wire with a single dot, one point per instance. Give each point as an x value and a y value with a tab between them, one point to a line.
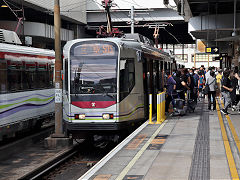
134	3
172	36
12	4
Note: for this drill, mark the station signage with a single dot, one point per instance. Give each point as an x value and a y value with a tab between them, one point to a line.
212	50
217	58
223	54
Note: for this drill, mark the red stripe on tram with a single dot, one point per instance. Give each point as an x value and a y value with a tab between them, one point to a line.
93	104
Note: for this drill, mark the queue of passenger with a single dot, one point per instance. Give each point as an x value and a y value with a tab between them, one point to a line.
201	82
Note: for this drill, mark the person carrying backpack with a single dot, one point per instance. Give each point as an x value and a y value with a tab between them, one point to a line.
171	86
219	79
201	84
193	85
212	83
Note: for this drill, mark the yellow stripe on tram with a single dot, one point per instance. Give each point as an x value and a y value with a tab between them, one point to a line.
235	136
231	162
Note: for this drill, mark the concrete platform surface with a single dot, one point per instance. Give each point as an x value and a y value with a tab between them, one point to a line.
183	147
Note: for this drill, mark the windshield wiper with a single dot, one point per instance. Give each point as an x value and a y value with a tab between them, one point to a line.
105	92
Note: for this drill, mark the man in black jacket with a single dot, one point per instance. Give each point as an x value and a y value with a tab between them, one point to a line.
226	90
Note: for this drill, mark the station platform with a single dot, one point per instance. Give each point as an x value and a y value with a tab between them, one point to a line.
199	145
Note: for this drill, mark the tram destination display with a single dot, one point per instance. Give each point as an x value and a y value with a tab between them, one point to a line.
95	49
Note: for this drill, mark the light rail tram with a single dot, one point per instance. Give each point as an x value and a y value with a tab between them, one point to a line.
107	82
26	85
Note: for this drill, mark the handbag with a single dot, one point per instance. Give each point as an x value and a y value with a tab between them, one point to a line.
207	88
238	88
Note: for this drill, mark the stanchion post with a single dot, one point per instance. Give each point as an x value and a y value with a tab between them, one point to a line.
159	108
150	109
163	106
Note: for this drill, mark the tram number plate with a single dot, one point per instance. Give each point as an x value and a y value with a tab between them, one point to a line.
58	95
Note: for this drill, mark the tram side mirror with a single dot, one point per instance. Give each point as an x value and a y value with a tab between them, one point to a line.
122	64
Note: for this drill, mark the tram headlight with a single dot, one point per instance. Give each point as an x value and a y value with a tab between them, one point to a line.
80	116
107	116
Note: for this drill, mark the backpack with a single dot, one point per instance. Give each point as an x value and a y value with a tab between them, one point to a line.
193	82
201	78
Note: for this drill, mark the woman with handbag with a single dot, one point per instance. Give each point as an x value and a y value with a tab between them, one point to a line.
211	84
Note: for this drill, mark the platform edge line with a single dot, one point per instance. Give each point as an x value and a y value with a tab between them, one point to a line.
138	155
105	159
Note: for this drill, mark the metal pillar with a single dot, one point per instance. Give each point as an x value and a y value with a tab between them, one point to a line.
208	60
234	16
132	20
183	52
195	60
182	7
58	69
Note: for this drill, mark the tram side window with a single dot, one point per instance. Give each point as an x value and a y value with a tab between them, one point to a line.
14	77
51	80
127	77
32	79
3	77
42	75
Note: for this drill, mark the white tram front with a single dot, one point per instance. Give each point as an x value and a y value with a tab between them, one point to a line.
106	84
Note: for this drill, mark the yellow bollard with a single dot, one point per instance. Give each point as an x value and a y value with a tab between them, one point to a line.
163	105
150	109
159	108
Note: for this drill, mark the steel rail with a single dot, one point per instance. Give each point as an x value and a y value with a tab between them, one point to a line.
39	172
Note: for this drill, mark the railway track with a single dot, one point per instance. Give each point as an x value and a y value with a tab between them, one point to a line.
71	164
9	148
46	168
28	159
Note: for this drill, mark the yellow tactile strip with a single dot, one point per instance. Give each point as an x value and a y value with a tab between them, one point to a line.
235	136
231	162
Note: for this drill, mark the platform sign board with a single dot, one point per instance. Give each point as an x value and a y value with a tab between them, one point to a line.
58	95
217	58
223	54
212	50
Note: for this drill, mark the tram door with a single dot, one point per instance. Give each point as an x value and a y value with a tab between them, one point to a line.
155	86
146	76
161	76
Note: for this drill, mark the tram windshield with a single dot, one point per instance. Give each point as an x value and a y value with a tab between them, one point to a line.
93	68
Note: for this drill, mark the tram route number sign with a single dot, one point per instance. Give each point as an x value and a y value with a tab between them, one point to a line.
58	95
212	50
